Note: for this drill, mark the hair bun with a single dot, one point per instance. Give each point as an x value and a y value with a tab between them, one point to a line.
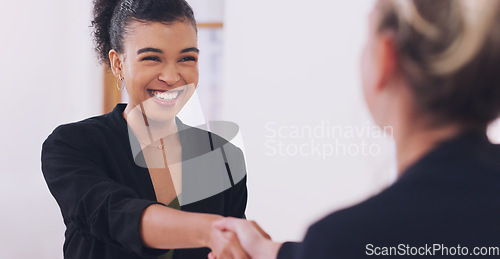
103	12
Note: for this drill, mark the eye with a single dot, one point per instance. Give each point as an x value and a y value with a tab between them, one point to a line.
151	58
189	58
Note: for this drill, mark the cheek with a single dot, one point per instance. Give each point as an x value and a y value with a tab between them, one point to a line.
140	78
190	74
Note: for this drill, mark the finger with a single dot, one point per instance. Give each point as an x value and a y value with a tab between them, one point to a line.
211	255
236	250
229	246
267	236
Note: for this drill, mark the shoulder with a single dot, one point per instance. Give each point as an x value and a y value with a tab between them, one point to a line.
373	220
359	217
79	133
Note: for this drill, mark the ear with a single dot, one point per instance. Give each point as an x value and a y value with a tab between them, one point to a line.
386	60
116	62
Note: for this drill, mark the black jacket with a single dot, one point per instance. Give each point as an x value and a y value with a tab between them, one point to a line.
449	198
95	177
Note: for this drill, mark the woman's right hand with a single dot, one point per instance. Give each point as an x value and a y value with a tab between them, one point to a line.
250	236
225	244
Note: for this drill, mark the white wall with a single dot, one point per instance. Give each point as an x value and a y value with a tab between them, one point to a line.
49	76
295	64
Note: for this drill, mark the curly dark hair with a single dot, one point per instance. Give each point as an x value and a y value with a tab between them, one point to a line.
112	18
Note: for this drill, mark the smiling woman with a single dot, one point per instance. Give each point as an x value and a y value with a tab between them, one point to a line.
137	182
159	62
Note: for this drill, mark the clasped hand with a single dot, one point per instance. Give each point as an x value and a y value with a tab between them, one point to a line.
239	238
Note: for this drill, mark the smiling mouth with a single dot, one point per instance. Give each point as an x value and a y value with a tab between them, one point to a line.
165	95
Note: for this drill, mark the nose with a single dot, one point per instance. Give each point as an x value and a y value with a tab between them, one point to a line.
170	75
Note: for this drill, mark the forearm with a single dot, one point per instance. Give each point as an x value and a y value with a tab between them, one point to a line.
167	228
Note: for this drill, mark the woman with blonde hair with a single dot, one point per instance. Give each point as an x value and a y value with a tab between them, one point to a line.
430	70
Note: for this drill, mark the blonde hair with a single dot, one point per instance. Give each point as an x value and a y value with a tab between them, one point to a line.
445	48
477	19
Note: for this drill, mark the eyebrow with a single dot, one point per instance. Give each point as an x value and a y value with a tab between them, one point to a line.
190	50
161	51
149	50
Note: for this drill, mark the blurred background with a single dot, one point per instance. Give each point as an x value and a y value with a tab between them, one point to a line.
285	71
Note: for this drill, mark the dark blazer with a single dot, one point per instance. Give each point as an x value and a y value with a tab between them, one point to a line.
449	198
102	189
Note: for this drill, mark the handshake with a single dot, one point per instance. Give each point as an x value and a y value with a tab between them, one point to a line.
239	238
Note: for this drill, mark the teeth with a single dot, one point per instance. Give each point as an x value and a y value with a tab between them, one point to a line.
167	96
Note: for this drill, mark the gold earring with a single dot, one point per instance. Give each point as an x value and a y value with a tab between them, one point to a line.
120	78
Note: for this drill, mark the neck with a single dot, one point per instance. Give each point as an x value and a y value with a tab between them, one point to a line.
412	143
145	129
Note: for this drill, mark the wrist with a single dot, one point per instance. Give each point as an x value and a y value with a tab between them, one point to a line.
270	250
